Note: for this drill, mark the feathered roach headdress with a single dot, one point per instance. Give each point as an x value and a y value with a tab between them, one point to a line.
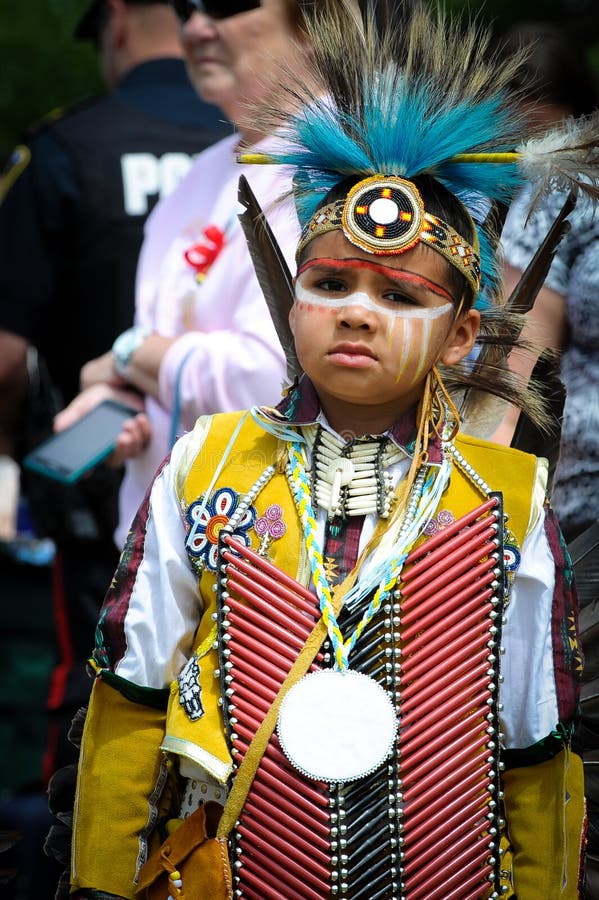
421	97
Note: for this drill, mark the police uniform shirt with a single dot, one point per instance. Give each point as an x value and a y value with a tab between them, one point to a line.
75	202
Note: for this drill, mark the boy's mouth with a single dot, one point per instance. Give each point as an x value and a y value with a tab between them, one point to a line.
352	354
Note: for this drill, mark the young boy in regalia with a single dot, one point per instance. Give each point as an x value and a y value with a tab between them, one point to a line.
340	655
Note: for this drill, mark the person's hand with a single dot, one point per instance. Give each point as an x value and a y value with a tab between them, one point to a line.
100	370
136	431
132	440
90	398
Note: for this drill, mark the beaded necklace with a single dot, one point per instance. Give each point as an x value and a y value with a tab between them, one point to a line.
379	574
353	479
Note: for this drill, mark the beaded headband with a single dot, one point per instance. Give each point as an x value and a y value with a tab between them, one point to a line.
385	215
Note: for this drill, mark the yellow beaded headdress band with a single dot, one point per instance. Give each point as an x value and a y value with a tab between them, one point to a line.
385	215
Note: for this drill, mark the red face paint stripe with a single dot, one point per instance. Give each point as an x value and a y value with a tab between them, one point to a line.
398	275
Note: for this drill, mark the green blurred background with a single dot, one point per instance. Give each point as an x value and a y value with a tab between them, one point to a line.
42	68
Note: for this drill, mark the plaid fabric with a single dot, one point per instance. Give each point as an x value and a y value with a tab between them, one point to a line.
341	547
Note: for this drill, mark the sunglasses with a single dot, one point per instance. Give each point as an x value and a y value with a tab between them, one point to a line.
216	9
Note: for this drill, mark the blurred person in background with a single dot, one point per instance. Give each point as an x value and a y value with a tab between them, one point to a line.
74	200
203	340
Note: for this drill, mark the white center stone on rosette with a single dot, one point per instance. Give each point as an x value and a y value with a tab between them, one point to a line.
384	211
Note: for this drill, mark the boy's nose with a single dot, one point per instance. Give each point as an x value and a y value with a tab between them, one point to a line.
355	315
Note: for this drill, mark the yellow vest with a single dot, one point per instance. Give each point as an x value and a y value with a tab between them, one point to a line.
253	450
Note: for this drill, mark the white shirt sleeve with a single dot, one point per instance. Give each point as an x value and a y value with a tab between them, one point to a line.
163	607
528	692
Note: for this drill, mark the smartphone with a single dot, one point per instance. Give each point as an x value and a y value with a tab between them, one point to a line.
68	455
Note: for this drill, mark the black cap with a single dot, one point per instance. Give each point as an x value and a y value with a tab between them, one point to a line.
89	25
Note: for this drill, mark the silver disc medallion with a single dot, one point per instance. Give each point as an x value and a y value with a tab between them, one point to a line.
337	726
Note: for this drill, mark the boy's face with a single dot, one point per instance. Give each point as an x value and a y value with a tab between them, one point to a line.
368	328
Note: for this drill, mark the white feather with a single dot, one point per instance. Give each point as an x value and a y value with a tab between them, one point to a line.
565	158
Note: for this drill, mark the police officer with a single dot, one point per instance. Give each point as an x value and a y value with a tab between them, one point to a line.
73	202
72	219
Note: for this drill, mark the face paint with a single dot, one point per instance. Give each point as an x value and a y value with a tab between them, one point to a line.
367	330
415	340
398	276
360	298
410	327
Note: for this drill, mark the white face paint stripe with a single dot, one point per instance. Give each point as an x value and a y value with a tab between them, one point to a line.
360	298
424	348
406	348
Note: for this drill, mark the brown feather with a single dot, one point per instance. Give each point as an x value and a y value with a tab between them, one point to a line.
272	272
502	335
525	293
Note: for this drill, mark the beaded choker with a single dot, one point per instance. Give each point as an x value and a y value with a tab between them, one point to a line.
353	478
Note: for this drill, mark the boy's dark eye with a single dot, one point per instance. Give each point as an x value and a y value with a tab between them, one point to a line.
330	285
399	297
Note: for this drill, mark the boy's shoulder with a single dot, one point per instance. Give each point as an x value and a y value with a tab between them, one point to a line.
219	438
217	428
229	449
520	476
499	464
242	423
497	450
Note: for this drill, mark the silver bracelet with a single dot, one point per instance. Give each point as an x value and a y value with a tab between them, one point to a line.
125	346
